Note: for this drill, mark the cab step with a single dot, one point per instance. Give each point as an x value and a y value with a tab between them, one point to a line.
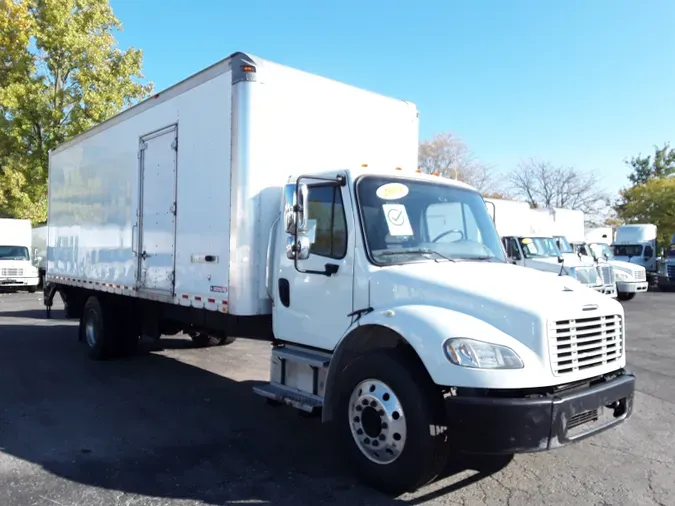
290	396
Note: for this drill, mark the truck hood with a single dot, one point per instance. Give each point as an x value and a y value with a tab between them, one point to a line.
516	300
627	267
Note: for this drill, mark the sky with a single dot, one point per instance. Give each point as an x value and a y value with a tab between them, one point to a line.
582	83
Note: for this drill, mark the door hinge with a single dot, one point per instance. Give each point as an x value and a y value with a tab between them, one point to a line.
172	276
173	208
174	144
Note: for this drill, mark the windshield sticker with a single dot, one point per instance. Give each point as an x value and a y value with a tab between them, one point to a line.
392	191
397	219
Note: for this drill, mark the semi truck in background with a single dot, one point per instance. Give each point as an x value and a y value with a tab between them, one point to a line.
255	200
568	226
17	265
39	245
666	273
528	241
631	279
636	244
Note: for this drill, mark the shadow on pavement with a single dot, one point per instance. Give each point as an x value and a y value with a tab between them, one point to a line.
155	426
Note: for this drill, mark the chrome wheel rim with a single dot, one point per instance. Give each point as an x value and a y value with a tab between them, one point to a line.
377	421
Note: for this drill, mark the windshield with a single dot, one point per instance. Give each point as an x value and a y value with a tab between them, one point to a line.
628	251
600	249
14	253
563	244
539	247
410	221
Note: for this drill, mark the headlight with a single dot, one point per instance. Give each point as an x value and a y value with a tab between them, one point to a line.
622	276
480	355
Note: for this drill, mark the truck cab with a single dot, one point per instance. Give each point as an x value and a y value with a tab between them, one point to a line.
541	252
630	278
571	253
395	308
17	263
637	244
666	274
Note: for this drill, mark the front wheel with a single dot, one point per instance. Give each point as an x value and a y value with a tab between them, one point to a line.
625	295
385	410
202	340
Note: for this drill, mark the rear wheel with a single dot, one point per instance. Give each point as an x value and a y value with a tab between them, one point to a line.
625	295
386	406
97	330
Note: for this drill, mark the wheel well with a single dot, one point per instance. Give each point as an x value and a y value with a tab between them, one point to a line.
365	339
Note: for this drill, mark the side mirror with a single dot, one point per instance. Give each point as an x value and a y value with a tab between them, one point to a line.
297	250
295	208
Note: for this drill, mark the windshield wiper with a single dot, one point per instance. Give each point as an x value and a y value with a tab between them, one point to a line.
418	251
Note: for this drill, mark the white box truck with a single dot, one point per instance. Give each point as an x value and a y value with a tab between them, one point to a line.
17	269
255	200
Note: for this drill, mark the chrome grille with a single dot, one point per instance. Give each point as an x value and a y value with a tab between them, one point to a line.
584	343
11	271
608	276
640	275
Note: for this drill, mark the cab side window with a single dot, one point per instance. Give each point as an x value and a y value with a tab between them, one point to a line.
512	250
649	252
327	222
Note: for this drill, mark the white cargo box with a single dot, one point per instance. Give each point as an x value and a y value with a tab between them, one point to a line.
173	199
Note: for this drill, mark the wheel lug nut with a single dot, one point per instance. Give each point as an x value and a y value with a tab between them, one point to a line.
382	437
373	404
357	419
366	441
359	432
375	442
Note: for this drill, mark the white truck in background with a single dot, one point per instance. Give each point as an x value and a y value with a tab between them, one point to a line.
631	279
604	235
255	200
568	227
17	269
636	244
528	241
666	273
39	245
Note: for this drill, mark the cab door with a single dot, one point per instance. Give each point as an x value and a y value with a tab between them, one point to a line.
313	298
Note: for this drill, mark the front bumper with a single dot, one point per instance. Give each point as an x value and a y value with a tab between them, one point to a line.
18	282
632	286
495	425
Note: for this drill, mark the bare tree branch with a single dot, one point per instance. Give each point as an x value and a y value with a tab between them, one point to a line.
542	184
447	155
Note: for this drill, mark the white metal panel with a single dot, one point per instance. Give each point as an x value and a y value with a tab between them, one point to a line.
157	225
512	218
15	232
635	234
298	123
94	193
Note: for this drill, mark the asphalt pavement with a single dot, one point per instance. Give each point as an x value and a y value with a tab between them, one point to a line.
178	426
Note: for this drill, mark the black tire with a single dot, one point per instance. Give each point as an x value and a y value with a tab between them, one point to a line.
32	289
625	295
97	330
424	455
202	340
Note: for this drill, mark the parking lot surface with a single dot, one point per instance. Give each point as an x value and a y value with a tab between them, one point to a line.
181	426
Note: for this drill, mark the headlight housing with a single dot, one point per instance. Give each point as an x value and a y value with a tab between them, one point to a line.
480	355
622	276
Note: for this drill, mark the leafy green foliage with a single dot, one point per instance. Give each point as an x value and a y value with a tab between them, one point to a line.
651	202
61	73
646	168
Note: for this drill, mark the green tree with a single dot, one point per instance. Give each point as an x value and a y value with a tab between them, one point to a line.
651	202
645	168
61	73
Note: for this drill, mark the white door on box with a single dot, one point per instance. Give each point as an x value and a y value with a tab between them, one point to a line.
312	308
157	224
